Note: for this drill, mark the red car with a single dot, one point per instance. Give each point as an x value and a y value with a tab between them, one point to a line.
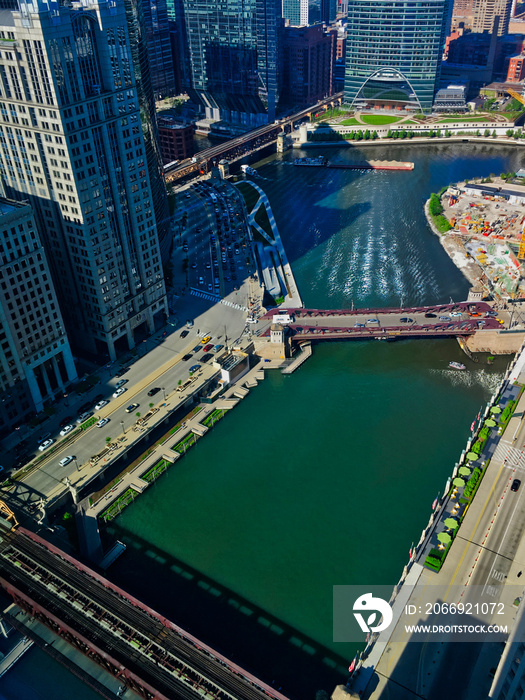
207	347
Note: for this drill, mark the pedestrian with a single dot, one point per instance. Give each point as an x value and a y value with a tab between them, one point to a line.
519	573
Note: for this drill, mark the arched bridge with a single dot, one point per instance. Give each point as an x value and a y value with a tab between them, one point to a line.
460	319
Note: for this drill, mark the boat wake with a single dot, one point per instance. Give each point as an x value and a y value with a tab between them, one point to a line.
489	381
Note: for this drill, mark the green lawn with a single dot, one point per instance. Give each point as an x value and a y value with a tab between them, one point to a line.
349	122
378	119
450	120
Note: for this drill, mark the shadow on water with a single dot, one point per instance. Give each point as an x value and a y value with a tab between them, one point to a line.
235	627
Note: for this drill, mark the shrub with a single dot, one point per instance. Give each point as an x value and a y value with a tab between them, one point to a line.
435	207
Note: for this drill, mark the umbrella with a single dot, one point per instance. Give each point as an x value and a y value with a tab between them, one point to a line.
444	537
464	471
451	523
495	409
458	482
490	423
473	456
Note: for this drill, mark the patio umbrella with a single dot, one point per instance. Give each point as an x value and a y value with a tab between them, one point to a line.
444	537
451	523
490	423
473	456
495	409
458	482
464	471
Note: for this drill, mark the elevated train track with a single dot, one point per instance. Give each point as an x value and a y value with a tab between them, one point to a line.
149	653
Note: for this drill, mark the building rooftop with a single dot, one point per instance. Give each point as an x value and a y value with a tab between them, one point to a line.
232	361
7	206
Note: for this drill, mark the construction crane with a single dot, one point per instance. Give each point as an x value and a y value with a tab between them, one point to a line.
521	250
517	96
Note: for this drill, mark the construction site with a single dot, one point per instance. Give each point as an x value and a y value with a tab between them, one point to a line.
487	220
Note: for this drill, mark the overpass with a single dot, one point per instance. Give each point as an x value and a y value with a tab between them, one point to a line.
241	146
441	320
145	651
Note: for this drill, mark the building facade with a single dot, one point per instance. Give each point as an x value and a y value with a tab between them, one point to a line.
308	64
302	13
36	363
485	12
393	52
516	69
73	145
157	33
176	140
232	51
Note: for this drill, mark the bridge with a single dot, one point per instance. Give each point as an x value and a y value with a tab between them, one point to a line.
145	651
459	319
241	146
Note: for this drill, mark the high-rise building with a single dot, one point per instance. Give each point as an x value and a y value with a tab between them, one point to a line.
176	139
36	362
137	32
393	52
73	144
486	11
232	49
159	48
308	54
301	13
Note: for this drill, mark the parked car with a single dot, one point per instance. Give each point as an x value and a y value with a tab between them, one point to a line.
65	421
102	422
194	368
45	445
120	383
206	357
515	485
84	416
98	397
66	429
155	389
184	334
101	404
85	407
119	392
122	371
66	460
132	407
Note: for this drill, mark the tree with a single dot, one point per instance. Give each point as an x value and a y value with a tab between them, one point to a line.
389	135
137	414
151	405
108	440
486	132
367	135
494	134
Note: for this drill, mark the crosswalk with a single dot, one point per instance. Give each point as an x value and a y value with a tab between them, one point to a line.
510	456
215	298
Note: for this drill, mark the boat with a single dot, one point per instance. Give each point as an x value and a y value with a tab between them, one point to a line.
456	365
318	162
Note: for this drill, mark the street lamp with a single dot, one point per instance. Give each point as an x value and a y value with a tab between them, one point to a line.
76	464
164	392
123	429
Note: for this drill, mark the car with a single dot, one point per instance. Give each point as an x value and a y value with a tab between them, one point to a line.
210	287
499	320
122	371
430	315
372	320
120	383
251	320
98	397
197	348
515	485
405	319
85	407
41	439
45	445
66	460
455	313
84	416
206	357
186	357
194	266
101	404
184	334
217	348
206	339
208	347
194	368
119	392
155	389
66	429
359	325
65	421
444	318
102	422
132	407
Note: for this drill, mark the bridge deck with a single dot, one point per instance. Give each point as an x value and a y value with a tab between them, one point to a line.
161	658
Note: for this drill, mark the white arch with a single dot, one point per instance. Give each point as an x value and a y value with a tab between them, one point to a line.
377	75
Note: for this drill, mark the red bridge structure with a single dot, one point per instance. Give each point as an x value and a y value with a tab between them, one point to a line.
145	651
440	320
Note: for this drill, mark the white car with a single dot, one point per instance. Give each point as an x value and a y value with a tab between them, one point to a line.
101	404
455	313
64	462
102	422
119	392
45	445
66	430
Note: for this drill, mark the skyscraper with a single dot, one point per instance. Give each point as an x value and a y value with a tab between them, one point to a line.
233	57
73	144
36	361
486	11
393	52
301	13
159	48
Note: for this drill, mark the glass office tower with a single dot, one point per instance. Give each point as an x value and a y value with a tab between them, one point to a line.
393	53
